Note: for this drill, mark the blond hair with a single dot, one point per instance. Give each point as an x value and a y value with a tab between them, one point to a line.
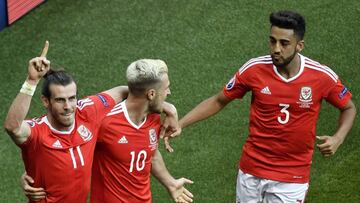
144	74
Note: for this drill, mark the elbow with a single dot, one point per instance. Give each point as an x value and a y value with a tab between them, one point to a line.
10	127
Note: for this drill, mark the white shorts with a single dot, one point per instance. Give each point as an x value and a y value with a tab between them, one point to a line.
251	189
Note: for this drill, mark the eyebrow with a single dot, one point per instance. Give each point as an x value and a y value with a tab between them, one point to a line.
282	40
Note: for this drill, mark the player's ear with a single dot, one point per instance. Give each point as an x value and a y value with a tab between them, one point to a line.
300	45
151	93
45	101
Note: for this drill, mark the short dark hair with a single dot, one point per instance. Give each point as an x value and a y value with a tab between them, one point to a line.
289	20
57	77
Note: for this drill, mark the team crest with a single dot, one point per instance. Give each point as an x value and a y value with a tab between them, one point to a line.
231	84
152	136
84	133
305	94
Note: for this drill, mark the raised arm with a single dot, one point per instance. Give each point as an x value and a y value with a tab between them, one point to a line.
205	109
14	123
175	187
330	144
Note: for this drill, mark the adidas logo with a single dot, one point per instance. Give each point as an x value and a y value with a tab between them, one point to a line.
123	140
57	144
265	90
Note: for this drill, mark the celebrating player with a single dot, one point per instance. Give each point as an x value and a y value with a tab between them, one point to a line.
287	90
58	147
127	152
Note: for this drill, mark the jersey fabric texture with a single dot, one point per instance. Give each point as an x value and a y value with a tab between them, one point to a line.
123	154
60	161
283	116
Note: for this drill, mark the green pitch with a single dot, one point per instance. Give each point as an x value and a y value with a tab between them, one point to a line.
204	42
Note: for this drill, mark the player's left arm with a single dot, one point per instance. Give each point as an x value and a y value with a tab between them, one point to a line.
174	186
330	144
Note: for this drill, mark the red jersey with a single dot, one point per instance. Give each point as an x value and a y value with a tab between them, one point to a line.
123	154
60	161
283	116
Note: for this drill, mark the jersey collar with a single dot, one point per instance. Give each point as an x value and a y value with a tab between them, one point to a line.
302	62
63	132
128	117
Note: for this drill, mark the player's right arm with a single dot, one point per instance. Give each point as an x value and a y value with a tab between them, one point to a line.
118	93
205	109
14	123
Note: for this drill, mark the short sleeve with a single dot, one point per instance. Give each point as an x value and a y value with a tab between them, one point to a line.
338	95
236	87
34	135
96	106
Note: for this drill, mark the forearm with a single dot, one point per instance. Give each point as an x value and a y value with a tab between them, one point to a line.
205	109
118	93
18	110
16	115
346	120
159	170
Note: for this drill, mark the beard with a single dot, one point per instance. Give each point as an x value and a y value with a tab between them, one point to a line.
284	62
155	107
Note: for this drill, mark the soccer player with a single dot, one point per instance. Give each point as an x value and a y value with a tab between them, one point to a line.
58	147
287	90
126	152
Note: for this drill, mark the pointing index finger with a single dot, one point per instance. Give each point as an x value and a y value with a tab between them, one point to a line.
45	50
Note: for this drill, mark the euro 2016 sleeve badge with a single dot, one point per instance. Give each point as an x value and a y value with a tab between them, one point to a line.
152	136
231	83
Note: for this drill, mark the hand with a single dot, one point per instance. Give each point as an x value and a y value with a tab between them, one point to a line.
329	146
170	128
39	66
179	193
34	194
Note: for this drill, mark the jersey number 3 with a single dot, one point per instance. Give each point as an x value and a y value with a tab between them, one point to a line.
284	110
140	160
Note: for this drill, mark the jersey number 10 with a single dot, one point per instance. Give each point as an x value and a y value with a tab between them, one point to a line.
140	160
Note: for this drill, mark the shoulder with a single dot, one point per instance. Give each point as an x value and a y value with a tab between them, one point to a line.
255	64
37	122
102	99
322	71
86	102
116	110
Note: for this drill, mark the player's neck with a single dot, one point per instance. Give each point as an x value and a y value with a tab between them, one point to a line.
137	109
56	125
291	69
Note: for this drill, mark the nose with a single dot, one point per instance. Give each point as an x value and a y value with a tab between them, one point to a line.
276	47
168	92
66	105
